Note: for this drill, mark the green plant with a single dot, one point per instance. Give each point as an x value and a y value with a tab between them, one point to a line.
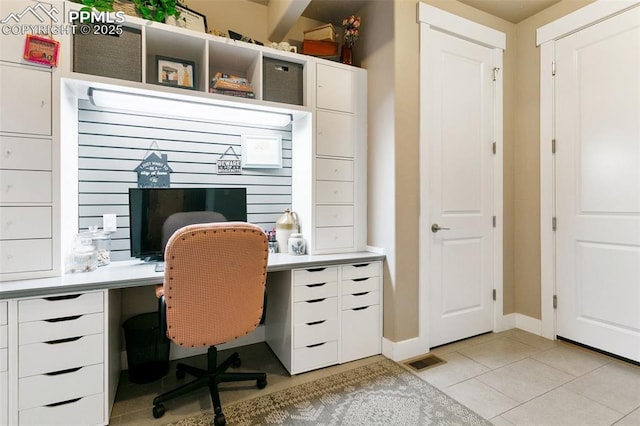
156	10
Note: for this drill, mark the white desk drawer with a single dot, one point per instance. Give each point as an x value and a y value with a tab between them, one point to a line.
358	300
361	334
4	398
3	313
315	332
47	330
85	411
4	359
25	153
306	312
4	338
317	356
339	237
361	270
19	223
331	192
328	169
359	285
25	256
60	306
39	358
22	186
334	215
315	291
48	389
315	275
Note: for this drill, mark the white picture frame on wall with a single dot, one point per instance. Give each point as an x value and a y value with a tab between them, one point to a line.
261	152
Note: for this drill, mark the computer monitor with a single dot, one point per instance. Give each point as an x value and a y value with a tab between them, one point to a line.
150	207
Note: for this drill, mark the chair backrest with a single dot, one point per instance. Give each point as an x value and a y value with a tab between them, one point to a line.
180	219
214	282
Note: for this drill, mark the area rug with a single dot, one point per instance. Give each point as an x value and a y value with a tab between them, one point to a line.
381	393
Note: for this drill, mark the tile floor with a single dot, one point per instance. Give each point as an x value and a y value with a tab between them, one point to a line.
509	378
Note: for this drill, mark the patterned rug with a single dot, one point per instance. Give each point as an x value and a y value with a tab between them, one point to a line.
381	393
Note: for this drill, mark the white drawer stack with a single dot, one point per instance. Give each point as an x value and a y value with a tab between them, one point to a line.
361	319
61	360
315	314
4	361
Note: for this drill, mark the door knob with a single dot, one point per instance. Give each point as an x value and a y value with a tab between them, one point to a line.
435	228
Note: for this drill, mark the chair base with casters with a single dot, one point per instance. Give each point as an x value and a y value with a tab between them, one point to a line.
210	378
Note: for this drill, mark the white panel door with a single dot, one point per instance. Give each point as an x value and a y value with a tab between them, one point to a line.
460	130
598	185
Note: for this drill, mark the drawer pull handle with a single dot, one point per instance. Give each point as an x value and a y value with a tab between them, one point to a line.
315	269
316	322
70	401
61	319
70	339
362	308
360	279
65	297
361	294
316	345
316	300
315	285
57	373
360	265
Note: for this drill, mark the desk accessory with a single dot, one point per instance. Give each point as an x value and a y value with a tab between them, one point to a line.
286	225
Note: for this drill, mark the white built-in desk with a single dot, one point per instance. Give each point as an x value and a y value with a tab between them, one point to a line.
60	337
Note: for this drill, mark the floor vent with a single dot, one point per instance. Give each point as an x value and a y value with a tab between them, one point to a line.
425	362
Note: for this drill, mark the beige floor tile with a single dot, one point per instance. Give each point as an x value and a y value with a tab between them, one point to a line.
525	379
561	407
571	359
500	421
457	368
631	419
481	398
498	352
616	385
530	339
457	346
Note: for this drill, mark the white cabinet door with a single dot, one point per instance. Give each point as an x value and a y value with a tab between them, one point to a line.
20	153
335	88
25	100
335	134
12	45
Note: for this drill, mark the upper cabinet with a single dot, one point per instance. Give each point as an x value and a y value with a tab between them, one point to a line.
12	45
335	88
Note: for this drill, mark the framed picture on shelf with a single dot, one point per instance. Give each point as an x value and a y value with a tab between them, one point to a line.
189	19
175	72
41	50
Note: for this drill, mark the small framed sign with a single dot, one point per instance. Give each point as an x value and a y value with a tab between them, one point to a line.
41	50
175	72
229	166
262	152
189	19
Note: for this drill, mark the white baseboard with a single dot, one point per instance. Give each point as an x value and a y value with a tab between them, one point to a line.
532	325
405	349
179	352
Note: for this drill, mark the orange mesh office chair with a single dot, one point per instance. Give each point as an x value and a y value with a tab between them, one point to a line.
214	284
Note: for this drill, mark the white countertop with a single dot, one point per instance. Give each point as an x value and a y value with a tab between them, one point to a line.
135	273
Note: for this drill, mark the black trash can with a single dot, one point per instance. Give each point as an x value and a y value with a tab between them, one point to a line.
147	348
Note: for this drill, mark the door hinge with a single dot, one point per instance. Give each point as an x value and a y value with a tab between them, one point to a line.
555	301
494	147
553	146
553	68
495	73
494	294
494	221
554	224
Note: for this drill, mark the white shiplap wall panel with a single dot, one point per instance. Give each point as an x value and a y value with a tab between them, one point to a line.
112	144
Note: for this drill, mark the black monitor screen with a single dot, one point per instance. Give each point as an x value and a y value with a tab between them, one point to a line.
149	208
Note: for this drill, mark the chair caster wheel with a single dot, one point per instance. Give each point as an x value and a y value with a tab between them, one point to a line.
261	383
236	363
219	420
158	411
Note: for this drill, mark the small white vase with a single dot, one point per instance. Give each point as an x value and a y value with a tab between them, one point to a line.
297	244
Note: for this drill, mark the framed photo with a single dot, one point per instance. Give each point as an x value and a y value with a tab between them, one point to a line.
175	72
262	152
189	19
41	50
